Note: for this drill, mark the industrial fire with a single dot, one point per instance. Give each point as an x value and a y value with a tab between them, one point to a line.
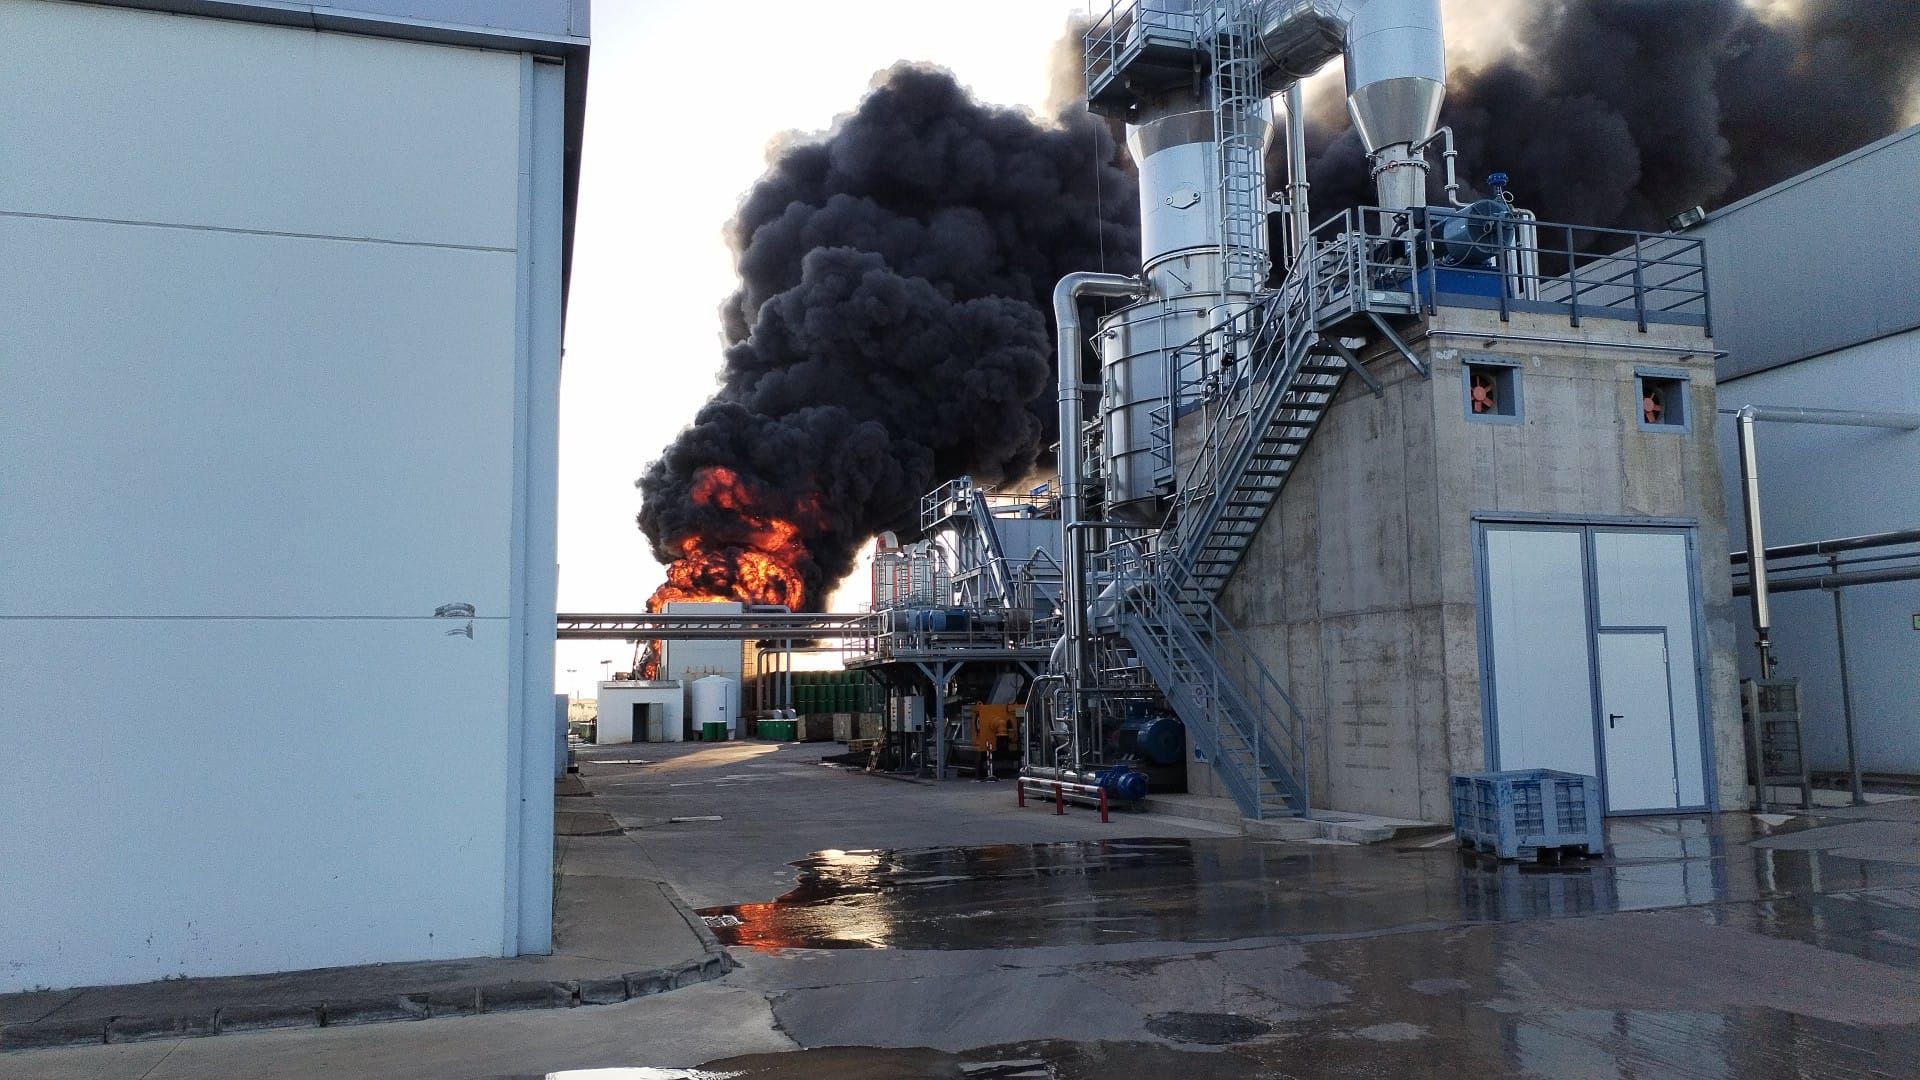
1155	372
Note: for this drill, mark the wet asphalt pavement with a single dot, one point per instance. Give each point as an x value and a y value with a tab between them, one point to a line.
1712	946
1224	889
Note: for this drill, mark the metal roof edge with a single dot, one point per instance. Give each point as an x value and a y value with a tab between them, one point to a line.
1775	365
572	49
1818	170
373	23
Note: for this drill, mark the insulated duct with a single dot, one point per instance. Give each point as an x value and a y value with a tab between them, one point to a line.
1066	316
1396	65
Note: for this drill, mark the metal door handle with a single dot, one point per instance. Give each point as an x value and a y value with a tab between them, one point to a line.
1612	716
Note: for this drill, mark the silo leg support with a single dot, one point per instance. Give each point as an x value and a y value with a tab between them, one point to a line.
1401	346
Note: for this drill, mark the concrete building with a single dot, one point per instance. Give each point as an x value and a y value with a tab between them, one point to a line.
1816	288
1443	591
279	422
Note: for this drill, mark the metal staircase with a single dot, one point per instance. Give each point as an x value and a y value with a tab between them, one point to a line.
1233	708
1261	409
1262	379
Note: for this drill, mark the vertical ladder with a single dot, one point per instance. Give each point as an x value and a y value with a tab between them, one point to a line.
1238	102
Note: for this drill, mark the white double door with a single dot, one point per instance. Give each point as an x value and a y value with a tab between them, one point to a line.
1589	659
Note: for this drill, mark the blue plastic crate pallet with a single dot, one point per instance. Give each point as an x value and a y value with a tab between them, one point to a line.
1522	812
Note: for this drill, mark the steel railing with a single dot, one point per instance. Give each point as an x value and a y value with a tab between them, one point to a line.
1212	676
1124	27
1369	259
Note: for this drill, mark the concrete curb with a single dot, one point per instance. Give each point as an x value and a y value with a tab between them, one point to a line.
520	996
1335	828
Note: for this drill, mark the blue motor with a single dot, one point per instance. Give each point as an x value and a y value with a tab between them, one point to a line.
1122	782
1150	735
1471	236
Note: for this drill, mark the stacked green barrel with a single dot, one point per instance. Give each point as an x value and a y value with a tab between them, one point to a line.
824	693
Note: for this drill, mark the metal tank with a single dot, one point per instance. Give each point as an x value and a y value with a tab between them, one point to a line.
1395	63
1172	143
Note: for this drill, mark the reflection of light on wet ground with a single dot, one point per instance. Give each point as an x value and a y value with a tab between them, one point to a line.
1214	889
640	1074
717	756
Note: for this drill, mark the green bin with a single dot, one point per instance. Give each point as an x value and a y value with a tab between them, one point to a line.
780	730
714	731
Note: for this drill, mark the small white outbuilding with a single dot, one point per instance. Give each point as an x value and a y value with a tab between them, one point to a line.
640	711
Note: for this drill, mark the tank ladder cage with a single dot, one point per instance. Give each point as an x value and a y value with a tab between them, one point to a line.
1238	100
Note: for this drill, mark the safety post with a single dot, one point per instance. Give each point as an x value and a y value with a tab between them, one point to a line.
1059	800
1020	791
1103	805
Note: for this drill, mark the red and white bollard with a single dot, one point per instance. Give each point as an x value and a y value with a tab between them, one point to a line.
1059	800
1103	806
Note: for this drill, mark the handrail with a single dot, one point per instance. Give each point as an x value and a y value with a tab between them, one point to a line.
1164	596
1615	273
1190	592
1281	341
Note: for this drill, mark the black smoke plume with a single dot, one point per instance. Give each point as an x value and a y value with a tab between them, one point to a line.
1621	113
892	327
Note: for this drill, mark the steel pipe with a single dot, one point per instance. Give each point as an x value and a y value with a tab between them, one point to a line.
1297	185
1756	547
1791	414
1757	592
1842	580
1846	694
1894	538
1066	315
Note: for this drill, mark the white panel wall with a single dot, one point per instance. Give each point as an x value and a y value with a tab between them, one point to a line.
255	127
268	396
214	423
232	795
1820	482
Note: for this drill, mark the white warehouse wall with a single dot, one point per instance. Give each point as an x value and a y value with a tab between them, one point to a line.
280	356
1818	483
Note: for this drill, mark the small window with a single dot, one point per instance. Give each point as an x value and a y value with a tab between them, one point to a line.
1662	401
1493	392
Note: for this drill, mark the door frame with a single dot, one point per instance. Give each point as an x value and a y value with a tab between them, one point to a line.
1689	531
1599	698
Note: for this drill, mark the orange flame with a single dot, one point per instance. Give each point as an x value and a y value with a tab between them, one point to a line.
759	563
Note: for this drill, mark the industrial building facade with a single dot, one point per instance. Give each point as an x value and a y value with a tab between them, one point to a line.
1817	306
281	364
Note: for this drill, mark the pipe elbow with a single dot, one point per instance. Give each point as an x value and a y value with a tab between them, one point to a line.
1090	283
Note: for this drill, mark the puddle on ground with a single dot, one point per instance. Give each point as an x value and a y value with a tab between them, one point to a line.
1227	888
1023	1061
1207	1029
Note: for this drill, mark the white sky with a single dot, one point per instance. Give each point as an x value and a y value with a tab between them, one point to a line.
682	101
